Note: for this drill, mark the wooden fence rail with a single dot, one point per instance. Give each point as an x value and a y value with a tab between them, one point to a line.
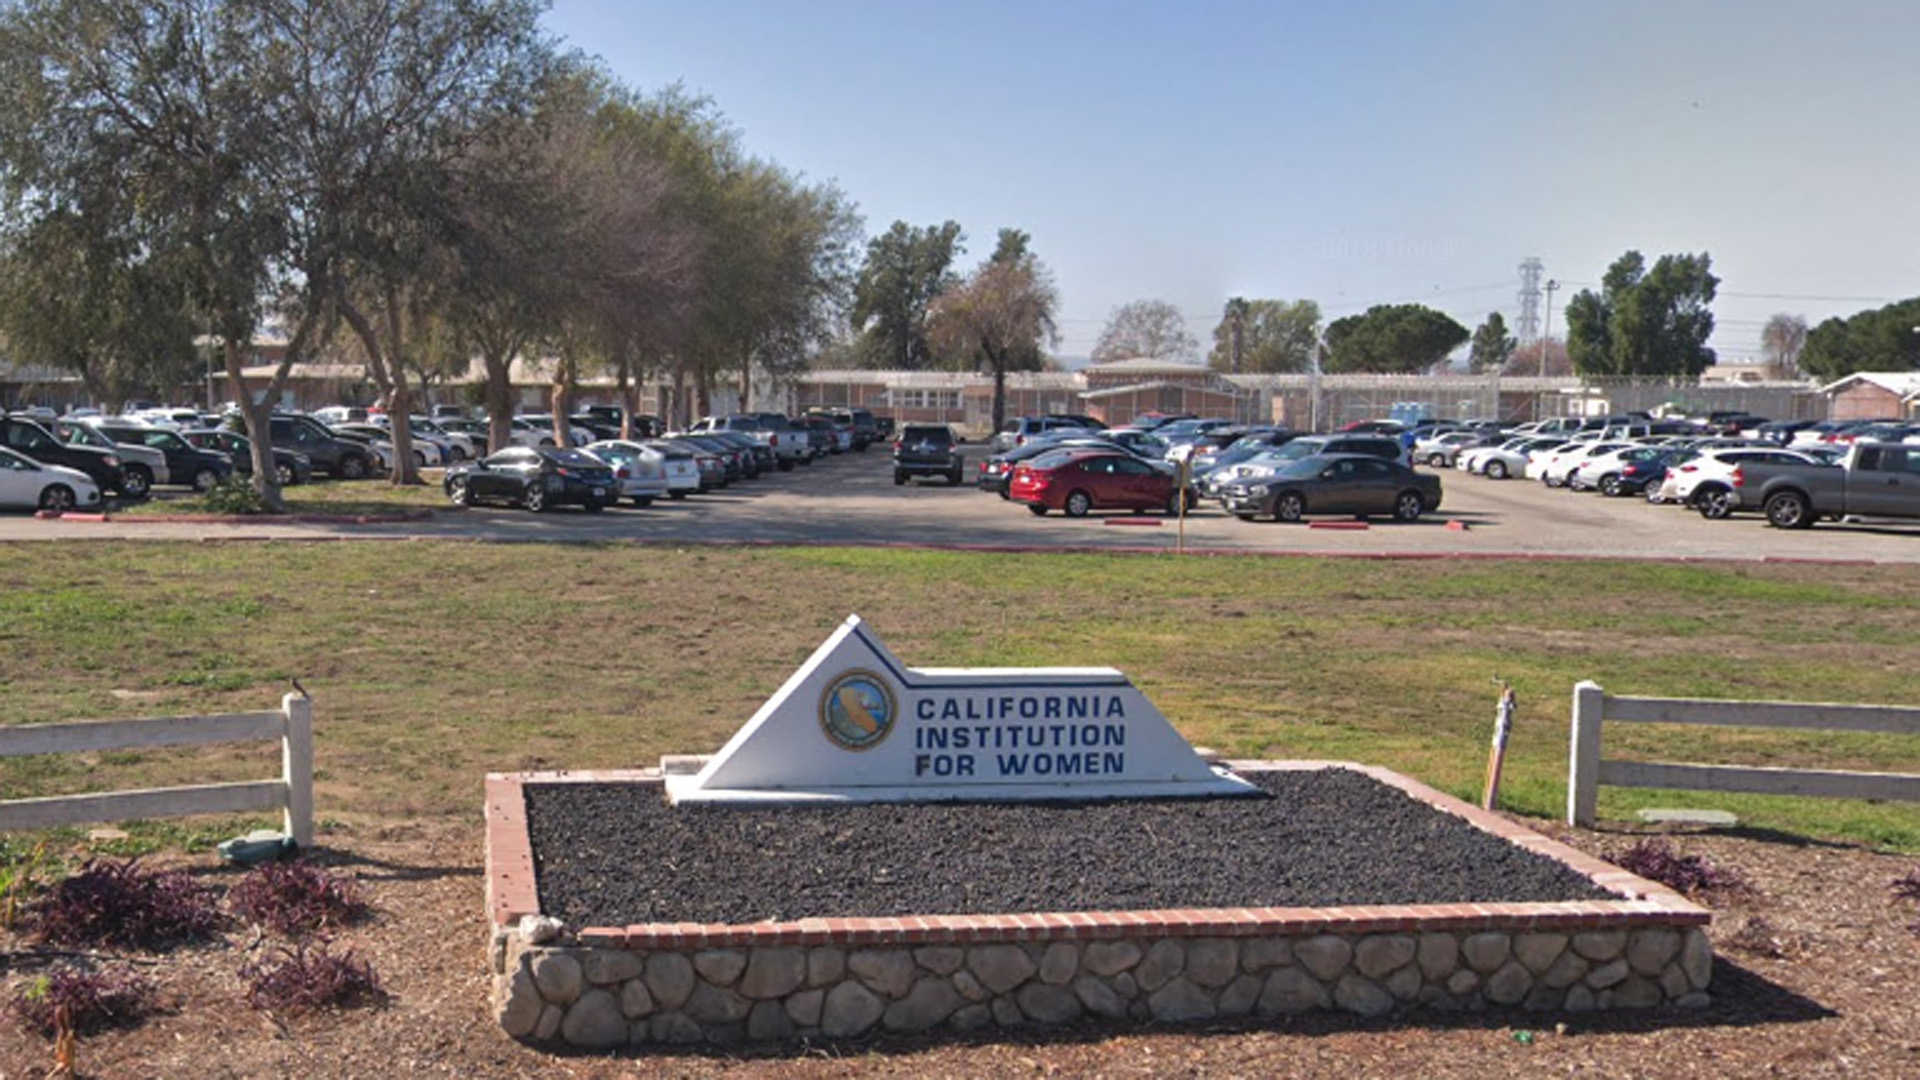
1592	707
292	793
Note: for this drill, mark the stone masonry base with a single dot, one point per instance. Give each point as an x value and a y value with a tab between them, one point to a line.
600	988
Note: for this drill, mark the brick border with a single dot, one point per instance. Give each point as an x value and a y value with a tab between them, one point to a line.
512	893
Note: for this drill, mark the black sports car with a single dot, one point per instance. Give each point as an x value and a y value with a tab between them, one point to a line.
534	477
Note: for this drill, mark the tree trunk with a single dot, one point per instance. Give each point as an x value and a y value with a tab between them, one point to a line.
999	362
403	471
259	418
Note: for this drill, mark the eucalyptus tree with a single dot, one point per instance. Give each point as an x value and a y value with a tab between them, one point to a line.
276	148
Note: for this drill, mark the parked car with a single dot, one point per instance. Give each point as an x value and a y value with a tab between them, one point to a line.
455	445
1357	484
1509	458
1556	468
537	478
711	463
474	430
342	459
639	472
864	429
1705	480
1874	480
144	466
996	471
841	428
681	466
103	467
35	485
187	464
928	450
1441	448
289	467
1076	481
1385	447
1627	471
1021	429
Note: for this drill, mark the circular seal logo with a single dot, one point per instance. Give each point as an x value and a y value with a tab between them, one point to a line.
857	710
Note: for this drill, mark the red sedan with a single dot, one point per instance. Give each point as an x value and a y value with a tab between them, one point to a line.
1076	481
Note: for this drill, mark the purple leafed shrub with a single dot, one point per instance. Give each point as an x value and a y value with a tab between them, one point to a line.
94	1000
303	978
1908	887
296	898
1654	860
124	904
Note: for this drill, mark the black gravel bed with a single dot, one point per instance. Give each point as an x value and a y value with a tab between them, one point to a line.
618	854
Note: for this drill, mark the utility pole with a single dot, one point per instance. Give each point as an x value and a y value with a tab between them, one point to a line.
1548	336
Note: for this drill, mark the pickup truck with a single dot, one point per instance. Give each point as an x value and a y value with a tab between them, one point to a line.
790	446
1874	480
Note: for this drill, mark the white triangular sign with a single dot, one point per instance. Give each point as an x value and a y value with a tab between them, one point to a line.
853	723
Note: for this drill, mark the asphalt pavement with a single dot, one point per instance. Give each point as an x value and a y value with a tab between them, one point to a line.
851	500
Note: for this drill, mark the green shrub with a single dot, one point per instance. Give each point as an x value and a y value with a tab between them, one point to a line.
235	495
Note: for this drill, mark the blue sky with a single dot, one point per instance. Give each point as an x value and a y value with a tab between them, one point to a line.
1350	153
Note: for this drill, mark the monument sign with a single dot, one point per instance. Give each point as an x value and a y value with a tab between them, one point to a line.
854	724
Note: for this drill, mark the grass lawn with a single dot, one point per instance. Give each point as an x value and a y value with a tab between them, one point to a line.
434	663
347	498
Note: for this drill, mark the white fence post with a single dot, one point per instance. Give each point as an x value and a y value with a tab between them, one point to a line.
1583	770
297	763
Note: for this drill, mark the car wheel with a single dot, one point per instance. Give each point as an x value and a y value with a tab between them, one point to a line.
546	442
956	477
1497	470
536	498
1610	486
593	506
786	464
1409	506
137	483
204	479
57	498
283	474
1547	479
353	467
676	494
643	500
1789	510
1244	517
419	460
899	478
1438	461
1036	510
1653	494
1289	507
1078	503
458	492
1175	504
1714	503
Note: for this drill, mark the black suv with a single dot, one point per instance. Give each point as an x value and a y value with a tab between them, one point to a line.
187	464
927	450
103	466
337	457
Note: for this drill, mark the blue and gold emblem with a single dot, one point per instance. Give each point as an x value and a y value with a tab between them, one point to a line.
857	710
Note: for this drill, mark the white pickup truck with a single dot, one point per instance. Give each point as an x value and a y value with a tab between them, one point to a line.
1877	480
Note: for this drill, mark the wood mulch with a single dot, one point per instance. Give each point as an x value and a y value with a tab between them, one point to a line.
1819	976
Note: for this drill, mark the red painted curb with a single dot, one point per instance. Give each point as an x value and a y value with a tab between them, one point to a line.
1351	526
51	515
1151	523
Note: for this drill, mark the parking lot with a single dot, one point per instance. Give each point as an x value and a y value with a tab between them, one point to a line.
851	499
